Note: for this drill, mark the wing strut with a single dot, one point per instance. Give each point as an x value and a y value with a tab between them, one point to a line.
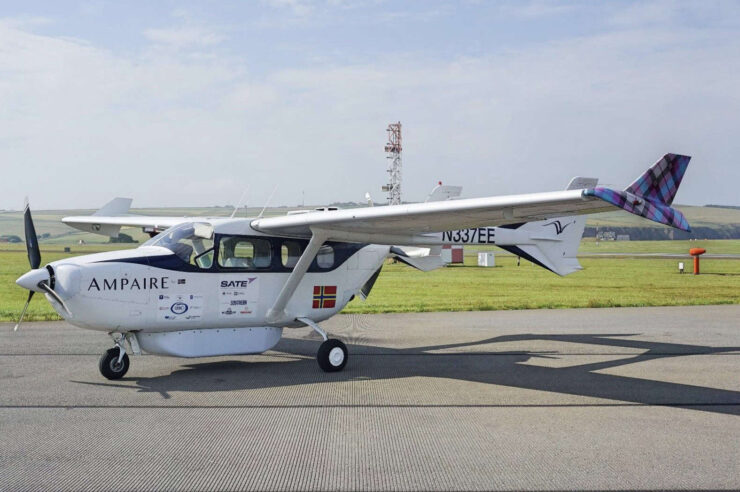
277	312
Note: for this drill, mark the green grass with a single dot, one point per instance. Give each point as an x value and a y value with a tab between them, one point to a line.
590	245
605	282
723	246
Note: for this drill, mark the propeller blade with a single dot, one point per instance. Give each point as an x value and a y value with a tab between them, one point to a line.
23	313
32	242
45	287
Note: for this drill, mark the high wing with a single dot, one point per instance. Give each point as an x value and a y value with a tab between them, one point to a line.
420	218
109	219
649	196
110	225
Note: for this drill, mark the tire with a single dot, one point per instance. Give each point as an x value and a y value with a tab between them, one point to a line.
109	366
332	355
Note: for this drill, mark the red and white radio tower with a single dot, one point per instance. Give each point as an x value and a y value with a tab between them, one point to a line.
393	150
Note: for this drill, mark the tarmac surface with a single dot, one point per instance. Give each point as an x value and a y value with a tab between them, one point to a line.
626	398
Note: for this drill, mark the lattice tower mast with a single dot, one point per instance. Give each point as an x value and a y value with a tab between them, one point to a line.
393	154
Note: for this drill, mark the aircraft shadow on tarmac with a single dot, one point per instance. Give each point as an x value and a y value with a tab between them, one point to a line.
293	364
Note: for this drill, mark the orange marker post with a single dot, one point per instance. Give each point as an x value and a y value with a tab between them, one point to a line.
696	252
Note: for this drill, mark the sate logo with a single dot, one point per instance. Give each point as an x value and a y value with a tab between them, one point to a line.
230	284
559	228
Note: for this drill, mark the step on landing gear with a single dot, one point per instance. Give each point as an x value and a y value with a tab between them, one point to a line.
332	355
114	362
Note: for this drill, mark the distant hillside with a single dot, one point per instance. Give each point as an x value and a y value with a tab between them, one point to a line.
709	222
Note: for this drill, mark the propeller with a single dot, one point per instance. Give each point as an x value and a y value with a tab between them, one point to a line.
23	313
34	254
32	242
40	278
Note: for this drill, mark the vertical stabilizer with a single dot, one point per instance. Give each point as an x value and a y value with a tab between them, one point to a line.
117	206
652	194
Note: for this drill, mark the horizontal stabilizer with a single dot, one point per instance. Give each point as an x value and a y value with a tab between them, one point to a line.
424	259
651	194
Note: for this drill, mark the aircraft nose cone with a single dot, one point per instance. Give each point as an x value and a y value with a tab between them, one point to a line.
31	279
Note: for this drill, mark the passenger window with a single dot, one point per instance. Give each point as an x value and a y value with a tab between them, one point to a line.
236	252
290	251
325	258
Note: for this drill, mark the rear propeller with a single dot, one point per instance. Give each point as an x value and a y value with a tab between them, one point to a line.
34	259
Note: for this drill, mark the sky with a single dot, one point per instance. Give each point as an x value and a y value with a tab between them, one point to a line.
177	103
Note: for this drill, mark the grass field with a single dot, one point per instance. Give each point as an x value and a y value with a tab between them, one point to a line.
605	282
724	246
590	245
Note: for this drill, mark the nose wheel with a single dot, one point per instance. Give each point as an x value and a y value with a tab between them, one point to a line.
114	363
332	355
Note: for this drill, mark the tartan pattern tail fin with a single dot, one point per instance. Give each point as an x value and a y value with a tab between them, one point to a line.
660	182
651	194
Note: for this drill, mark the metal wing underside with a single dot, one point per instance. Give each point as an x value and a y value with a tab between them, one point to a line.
420	218
85	222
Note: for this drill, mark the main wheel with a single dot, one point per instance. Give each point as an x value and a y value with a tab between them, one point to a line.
332	355
109	365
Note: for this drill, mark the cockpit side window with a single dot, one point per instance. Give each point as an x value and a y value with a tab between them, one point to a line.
244	253
191	242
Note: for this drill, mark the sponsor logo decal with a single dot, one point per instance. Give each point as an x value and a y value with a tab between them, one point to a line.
559	228
230	284
126	283
239	297
179	308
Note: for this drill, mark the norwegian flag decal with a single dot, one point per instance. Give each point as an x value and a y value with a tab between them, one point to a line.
324	296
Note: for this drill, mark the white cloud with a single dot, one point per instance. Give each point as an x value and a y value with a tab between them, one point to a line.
80	124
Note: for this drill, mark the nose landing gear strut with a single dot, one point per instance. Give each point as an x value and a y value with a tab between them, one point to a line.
114	362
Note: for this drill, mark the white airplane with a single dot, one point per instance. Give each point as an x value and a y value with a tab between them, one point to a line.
227	286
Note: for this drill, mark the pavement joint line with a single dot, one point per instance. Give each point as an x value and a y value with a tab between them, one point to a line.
389	406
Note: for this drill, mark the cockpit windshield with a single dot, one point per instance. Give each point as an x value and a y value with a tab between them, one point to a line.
192	242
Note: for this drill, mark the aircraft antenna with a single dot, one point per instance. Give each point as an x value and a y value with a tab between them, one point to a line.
239	203
393	154
267	204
